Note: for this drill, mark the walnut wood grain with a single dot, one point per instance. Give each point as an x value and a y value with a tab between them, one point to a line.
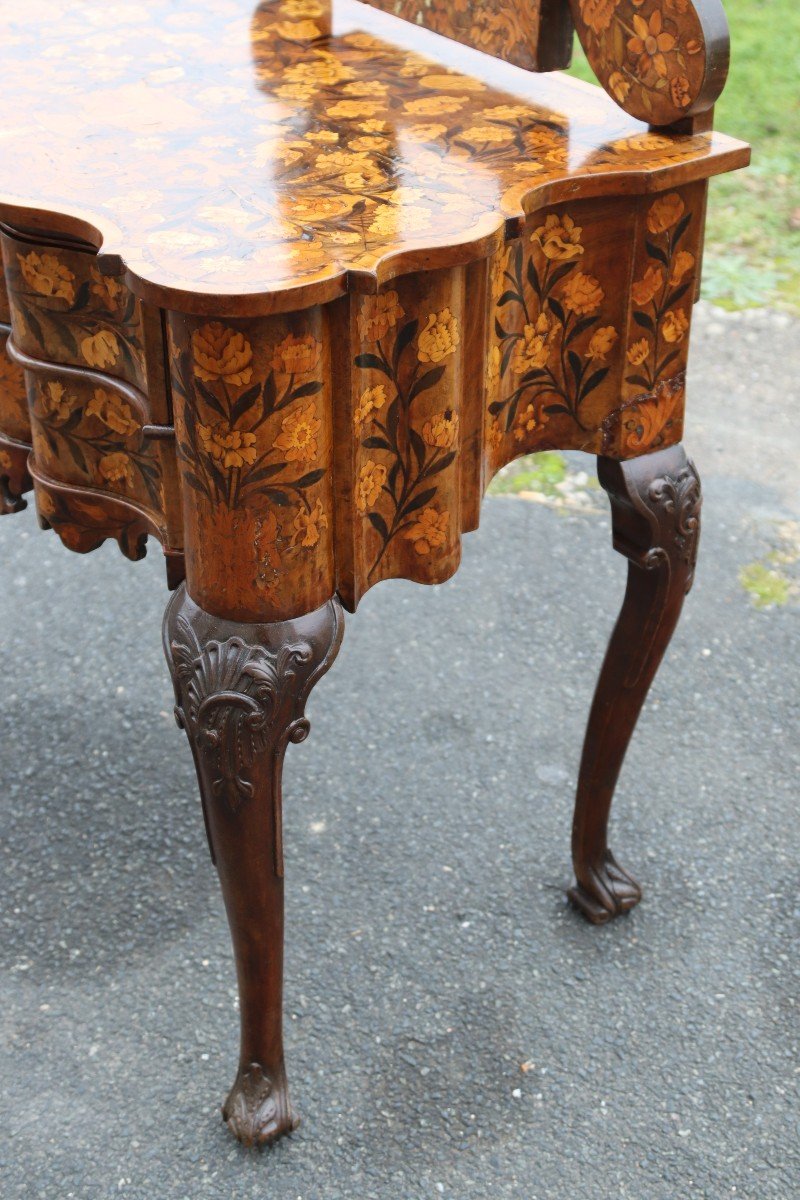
534	34
299	164
655	506
84	518
327	449
353	311
660	60
663	61
240	695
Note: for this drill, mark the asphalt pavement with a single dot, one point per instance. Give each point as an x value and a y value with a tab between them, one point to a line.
453	1029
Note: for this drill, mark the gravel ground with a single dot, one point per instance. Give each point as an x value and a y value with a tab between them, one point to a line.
453	1029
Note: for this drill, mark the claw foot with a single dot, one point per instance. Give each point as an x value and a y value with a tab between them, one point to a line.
257	1110
605	891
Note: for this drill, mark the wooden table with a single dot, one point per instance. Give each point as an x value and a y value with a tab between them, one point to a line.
284	290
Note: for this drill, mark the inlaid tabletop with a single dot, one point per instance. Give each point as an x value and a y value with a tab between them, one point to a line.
216	149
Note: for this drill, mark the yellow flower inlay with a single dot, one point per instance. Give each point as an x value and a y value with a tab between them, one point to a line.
113	412
477	134
117	468
441	430
619	86
100	350
371	479
222	353
298	439
684	261
306	526
230	447
439	338
378	314
602	342
370	400
298	31
639	352
665	213
583	294
650	43
429	532
598	14
676	325
107	289
527	422
644	289
350	109
493	363
560	238
533	349
56	401
296	355
434	106
47	275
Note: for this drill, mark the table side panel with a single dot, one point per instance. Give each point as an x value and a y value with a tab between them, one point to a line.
350	442
91	355
64	310
589	342
346	443
253	420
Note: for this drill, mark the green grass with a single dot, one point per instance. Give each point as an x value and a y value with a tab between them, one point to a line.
767	588
753	235
533	473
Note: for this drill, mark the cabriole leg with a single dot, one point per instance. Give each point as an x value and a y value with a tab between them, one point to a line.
240	691
655	506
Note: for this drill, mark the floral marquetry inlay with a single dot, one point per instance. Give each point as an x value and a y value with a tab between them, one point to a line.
300	285
263	153
407	442
654	56
64	310
507	29
253	434
568	344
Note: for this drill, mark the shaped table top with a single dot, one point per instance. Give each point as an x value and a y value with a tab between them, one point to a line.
277	158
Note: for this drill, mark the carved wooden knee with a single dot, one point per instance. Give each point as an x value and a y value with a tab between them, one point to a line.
240	692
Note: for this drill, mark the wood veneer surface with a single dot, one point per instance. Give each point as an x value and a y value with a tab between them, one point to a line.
216	151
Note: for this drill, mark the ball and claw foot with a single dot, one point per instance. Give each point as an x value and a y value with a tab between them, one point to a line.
257	1110
605	891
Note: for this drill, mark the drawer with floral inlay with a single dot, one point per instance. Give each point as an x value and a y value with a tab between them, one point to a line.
64	310
90	431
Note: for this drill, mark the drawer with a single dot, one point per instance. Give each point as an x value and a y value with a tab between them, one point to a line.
64	310
89	431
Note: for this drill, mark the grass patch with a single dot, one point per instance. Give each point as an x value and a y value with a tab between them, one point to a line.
767	588
752	252
532	473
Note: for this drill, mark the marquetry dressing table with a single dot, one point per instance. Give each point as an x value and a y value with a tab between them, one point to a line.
284	289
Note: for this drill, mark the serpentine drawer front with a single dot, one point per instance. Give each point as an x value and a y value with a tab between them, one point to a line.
285	288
